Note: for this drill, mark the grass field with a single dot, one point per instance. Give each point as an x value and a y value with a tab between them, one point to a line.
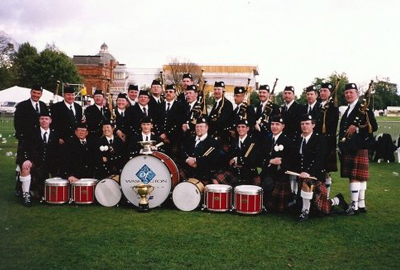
95	237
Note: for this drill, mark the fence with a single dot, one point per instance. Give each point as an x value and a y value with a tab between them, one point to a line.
7	123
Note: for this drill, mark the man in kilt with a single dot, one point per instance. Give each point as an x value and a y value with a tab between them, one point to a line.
356	127
277	160
311	151
326	125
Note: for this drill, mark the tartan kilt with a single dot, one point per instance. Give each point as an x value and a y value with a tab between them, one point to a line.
355	166
331	162
281	195
224	177
320	198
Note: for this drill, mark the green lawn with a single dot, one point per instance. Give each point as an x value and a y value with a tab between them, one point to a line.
95	237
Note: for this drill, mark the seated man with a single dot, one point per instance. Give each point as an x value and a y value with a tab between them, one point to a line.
38	158
276	161
79	155
243	159
110	153
200	154
146	134
310	158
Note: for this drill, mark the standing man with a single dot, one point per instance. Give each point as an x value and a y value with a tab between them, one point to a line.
66	115
310	158
26	120
220	116
243	111
354	138
96	114
120	116
133	91
156	93
187	80
326	125
38	158
193	110
313	106
264	112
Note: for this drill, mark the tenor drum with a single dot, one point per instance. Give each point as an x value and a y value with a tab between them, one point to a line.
83	191
218	198
187	195
146	169
248	199
56	190
108	192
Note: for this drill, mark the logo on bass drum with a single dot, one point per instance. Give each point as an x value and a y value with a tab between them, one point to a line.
145	174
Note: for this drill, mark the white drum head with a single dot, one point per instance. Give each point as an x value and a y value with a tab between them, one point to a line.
186	196
218	188
85	182
248	190
108	193
146	169
56	181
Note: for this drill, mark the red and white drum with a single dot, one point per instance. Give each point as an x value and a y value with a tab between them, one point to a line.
56	190
108	192
218	198
83	191
187	195
149	169
173	169
248	199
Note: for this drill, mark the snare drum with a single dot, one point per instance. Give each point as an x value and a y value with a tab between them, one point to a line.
218	198
108	192
83	191
147	169
56	190
187	195
248	199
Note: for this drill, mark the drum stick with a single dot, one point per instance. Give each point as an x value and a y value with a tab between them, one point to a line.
297	174
159	144
208	151
249	150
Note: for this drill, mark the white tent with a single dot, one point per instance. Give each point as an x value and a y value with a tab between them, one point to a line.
18	94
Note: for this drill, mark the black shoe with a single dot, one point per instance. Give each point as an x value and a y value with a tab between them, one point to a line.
303	216
26	199
342	203
362	210
351	212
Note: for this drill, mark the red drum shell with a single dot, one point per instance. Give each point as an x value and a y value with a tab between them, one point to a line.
248	199
173	169
218	198
56	191
83	191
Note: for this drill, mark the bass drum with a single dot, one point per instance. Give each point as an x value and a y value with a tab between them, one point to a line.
108	192
187	195
146	169
173	169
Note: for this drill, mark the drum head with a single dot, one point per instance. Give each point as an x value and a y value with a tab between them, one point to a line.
146	169
56	181
218	188
85	182
186	196
108	193
248	189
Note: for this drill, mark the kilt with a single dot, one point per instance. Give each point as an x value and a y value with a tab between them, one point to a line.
281	195
331	162
320	199
355	166
229	178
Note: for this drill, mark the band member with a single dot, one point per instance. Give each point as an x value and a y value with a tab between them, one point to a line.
220	116
187	80
172	115
110	153
193	110
135	113
265	111
66	115
278	158
120	116
326	125
146	134
133	92
96	114
313	106
354	135
244	155
156	90
79	155
311	151
243	111
26	120
38	158
200	154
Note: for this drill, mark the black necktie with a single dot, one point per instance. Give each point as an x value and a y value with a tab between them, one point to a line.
240	144
309	109
72	111
347	111
83	143
102	111
122	114
37	108
286	108
147	138
168	106
215	106
144	111
273	141
303	146
111	142
45	137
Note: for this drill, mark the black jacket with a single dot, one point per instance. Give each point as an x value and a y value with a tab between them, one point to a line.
26	118
95	119
63	121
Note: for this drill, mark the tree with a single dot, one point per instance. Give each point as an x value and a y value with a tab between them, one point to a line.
176	68
25	64
7	76
384	94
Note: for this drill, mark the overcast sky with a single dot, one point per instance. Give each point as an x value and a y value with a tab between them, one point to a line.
294	41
